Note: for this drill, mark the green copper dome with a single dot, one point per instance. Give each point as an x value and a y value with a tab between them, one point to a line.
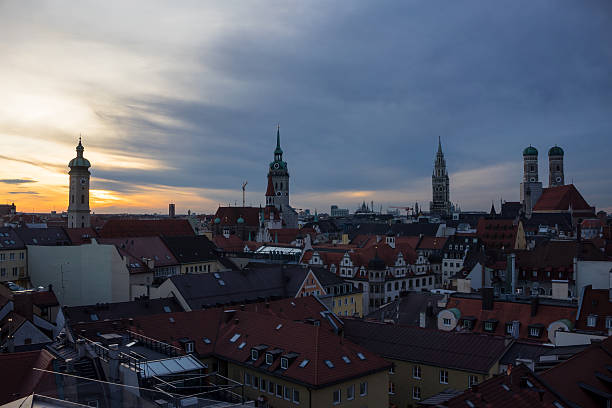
530	151
79	161
240	220
555	151
217	220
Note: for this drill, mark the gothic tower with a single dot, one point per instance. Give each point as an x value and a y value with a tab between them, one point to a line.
78	198
440	185
531	187
555	167
278	179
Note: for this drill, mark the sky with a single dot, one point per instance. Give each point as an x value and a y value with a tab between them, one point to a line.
179	101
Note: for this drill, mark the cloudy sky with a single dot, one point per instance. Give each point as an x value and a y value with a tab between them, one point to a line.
179	101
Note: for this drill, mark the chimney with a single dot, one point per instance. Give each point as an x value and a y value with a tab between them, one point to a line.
534	305
487	299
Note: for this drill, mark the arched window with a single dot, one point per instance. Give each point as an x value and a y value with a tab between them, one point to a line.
82	198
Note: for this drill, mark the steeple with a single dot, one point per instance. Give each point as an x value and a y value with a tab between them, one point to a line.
440	146
278	149
492	212
80	148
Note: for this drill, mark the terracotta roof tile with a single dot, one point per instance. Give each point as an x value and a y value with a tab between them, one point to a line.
17	377
561	198
123	228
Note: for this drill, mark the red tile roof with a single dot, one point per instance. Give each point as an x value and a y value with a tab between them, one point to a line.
433	243
230	215
507	311
594	302
123	228
44	299
497	233
270	189
505	391
231	244
314	343
589	369
561	198
18	378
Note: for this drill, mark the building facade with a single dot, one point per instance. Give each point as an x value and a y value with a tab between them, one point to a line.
78	197
440	185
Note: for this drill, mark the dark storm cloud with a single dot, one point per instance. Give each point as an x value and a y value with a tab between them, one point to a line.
363	91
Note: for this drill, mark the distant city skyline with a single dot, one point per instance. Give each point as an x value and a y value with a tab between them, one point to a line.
180	104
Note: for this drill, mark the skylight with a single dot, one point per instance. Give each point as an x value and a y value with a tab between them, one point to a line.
361	356
346	359
171	319
221	282
241	346
304	363
506	387
206	340
329	364
469	403
94	317
279	326
234	338
131	343
167	309
217	276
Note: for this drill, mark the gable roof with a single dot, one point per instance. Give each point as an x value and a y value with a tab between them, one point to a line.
118	310
497	233
406	310
126	227
561	198
594	302
459	351
50	236
9	239
79	236
433	243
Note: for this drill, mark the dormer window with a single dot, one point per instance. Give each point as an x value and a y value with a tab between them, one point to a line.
189	347
592	320
535	330
608	322
284	363
254	354
269	358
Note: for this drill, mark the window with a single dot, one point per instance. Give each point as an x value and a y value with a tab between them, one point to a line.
488	326
2	271
247	379
288	393
336	397
472	380
443	377
416	393
284	363
608	322
262	384
391	388
296	396
534	331
392	370
467	324
592	321
255	382
271	387
279	391
446	321
508	328
82	199
2	257
269	358
12	256
416	372
363	388
254	355
189	347
15	271
350	392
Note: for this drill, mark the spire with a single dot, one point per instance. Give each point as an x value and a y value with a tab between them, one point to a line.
278	149
439	145
80	148
492	212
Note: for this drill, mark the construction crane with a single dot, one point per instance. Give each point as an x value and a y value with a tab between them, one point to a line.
244	192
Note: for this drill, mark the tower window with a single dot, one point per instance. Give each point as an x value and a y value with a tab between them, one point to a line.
82	198
558	168
73	198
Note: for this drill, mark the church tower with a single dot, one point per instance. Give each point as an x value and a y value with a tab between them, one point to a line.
440	185
278	178
531	187
78	198
555	167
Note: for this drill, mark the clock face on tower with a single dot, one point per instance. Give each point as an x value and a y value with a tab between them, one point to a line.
83	181
276	166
